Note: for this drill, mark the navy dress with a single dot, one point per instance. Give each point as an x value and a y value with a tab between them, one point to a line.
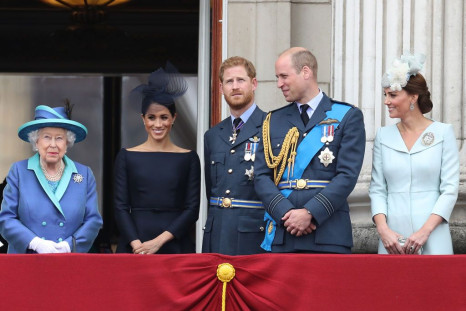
157	192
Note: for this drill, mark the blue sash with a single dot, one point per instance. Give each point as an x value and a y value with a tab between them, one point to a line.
307	149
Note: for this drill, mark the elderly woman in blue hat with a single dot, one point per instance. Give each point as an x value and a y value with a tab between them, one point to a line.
50	202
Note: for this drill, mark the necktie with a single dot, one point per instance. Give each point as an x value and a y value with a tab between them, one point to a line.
304	115
237	125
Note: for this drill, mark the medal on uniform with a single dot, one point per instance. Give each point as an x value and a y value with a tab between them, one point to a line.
255	142
330	133
323	139
250	173
235	131
428	139
233	138
248	152
326	157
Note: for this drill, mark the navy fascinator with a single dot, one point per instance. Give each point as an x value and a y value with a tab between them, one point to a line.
164	85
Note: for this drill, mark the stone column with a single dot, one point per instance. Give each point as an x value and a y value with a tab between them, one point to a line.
355	41
368	35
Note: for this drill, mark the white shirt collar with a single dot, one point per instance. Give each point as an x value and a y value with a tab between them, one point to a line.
313	103
245	116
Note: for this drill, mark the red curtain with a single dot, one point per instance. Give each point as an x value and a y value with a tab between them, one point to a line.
262	282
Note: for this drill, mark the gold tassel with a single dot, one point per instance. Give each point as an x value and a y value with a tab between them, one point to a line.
225	273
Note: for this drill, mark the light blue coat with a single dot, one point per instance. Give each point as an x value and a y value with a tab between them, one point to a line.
409	186
30	208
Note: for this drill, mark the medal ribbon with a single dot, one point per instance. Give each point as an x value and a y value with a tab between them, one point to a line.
307	149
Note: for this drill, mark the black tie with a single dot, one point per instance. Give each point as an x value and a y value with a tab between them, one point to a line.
304	115
236	125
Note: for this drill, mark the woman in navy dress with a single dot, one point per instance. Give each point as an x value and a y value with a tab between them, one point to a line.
157	184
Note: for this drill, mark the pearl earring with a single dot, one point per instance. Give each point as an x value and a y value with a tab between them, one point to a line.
411	107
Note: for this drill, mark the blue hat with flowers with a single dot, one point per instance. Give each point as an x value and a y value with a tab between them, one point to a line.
46	116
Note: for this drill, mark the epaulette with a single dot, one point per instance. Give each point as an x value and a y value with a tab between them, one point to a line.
340	102
283	107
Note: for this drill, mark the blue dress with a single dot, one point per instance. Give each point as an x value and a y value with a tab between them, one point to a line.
409	185
157	192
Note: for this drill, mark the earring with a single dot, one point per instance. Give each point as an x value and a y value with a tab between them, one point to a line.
411	107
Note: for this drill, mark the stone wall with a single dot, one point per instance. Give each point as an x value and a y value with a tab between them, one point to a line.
354	42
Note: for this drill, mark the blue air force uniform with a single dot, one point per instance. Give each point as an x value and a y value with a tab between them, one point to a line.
235	222
328	182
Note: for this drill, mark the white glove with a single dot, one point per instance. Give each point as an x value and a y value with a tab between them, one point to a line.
43	246
63	247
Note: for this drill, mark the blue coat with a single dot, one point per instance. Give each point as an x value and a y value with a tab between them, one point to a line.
30	208
328	206
409	185
232	231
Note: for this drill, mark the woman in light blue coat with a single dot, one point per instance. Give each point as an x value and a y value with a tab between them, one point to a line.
50	202
415	172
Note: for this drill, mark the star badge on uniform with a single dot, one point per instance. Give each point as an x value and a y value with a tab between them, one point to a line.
250	173
326	157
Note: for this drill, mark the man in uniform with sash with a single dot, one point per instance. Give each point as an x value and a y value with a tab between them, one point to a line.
235	222
308	163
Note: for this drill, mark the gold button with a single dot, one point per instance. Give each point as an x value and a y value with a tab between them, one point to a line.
232	151
230	171
227	192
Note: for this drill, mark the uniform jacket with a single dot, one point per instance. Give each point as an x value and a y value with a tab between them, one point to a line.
30	208
328	205
409	185
240	230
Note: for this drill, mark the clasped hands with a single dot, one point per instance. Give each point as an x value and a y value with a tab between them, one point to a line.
412	245
298	222
148	247
48	247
